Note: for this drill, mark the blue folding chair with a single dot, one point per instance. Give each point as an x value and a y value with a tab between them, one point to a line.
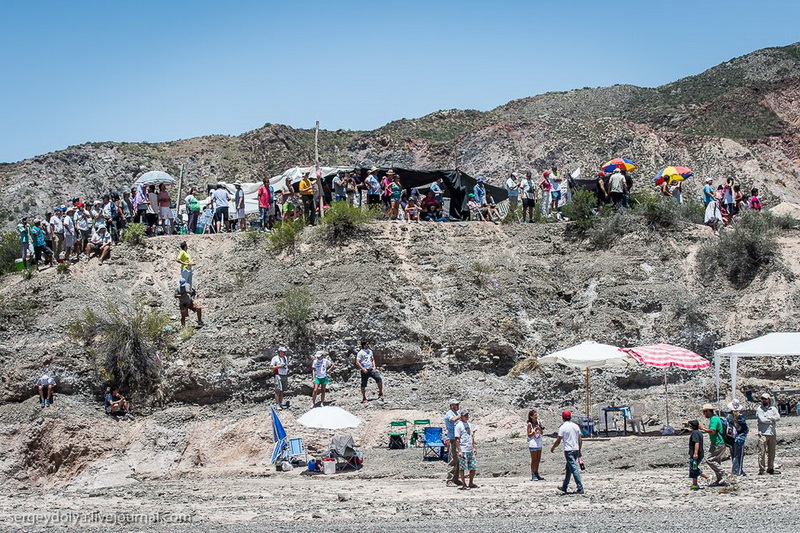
296	449
432	445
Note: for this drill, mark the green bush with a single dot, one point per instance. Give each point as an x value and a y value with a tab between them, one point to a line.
659	211
605	233
285	235
63	268
582	212
134	234
295	309
343	222
125	342
9	252
739	253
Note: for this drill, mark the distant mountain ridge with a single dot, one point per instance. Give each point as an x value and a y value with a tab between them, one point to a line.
739	118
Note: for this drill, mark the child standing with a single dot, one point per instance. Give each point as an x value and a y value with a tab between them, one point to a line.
695	454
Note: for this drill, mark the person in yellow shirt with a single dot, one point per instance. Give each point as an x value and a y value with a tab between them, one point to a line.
186	263
307	194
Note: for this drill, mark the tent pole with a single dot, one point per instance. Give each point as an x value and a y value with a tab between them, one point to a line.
178	199
666	396
588	391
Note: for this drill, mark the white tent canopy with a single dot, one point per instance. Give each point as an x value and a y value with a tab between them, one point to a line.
769	345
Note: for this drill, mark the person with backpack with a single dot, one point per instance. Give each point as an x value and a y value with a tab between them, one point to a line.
717	449
737	421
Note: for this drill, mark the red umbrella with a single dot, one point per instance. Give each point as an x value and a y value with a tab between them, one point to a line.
665	356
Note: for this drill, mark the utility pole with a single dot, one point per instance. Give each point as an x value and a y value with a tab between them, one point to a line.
316	169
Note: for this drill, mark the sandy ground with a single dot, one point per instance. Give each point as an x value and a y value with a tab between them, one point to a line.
632	483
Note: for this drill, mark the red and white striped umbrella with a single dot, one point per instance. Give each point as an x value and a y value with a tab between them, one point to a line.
666	355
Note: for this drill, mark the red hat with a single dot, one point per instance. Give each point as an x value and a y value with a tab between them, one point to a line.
601	173
80	204
546	173
566	414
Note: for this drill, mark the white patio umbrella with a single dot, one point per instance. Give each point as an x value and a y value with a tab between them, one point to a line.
154	177
586	356
329	417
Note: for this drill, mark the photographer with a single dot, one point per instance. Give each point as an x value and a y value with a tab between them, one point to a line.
185	295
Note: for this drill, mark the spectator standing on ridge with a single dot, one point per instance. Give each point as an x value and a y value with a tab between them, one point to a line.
165	209
365	361
58	232
319	373
238	202
527	188
307	194
512	189
24	240
373	188
81	218
755	202
465	443
339	190
602	189
69	233
570	434
192	211
46	384
708	192
545	187
39	245
728	196
618	188
555	191
767	416
264	203
152	209
451	418
280	369
717	450
221	210
395	195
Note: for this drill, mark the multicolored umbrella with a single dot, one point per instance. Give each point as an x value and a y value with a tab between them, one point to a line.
665	356
672	174
621	163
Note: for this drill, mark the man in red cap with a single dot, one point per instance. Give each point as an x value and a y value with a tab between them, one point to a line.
570	434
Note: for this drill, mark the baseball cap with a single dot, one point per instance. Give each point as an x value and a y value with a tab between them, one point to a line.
707	407
566	414
464	412
480	180
282	349
453	401
709	180
766	396
319	355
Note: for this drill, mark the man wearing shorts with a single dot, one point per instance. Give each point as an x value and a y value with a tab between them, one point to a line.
238	201
185	295
221	200
527	188
319	373
280	368
465	444
45	384
373	188
365	362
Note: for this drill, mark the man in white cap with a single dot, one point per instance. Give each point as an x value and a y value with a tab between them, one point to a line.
452	417
767	416
319	375
466	447
280	368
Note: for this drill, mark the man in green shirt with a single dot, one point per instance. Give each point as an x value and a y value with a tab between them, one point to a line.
717	450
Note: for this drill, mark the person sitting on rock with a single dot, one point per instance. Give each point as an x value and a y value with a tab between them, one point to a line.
99	245
185	295
46	384
116	404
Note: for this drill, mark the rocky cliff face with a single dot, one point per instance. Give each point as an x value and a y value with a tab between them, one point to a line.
740	118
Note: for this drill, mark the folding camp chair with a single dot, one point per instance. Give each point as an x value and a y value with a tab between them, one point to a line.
398	433
418	432
343	449
296	449
432	445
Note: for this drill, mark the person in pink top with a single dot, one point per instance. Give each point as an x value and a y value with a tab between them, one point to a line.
264	203
165	209
755	202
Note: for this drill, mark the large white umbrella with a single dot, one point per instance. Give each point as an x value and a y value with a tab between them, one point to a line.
154	177
588	355
329	417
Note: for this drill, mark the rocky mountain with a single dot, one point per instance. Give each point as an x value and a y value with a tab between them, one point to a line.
740	118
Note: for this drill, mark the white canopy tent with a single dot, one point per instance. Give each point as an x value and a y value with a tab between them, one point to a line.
770	345
586	356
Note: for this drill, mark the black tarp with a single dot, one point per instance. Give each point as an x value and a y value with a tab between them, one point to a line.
457	185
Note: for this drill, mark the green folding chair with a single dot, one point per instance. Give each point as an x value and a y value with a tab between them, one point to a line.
418	433
398	434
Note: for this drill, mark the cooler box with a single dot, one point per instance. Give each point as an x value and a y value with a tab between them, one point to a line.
329	466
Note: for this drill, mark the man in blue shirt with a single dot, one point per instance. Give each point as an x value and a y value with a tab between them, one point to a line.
480	192
708	192
451	418
438	193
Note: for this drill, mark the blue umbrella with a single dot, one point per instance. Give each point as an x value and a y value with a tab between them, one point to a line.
278	436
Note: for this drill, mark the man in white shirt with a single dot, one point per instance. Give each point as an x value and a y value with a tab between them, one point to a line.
767	416
527	188
69	232
570	434
99	245
451	418
280	368
221	201
365	362
512	188
319	374
58	232
465	444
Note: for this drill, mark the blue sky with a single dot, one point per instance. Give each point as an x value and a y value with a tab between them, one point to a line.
79	70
